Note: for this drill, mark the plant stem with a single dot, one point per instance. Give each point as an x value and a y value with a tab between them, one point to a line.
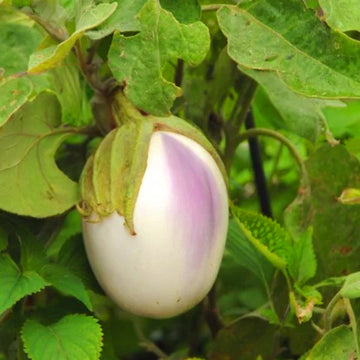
353	324
212	314
274	134
257	164
179	72
328	311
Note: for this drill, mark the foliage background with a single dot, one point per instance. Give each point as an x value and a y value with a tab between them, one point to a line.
278	75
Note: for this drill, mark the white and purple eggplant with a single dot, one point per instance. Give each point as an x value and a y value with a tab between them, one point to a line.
155	209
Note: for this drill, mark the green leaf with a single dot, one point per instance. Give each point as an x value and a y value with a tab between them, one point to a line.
18	39
302	262
185	11
14	93
15	284
30	181
242	251
66	282
325	65
350	196
351	287
342	15
336	344
73	337
123	19
335	225
51	56
266	235
298	114
137	61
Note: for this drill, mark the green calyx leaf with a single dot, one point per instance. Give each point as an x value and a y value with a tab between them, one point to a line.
112	176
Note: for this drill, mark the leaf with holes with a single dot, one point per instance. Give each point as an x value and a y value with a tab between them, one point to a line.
31	183
73	337
138	60
15	284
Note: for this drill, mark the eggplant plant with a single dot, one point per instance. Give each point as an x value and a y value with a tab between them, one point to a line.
179	180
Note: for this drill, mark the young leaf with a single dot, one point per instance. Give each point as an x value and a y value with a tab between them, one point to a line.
73	337
302	262
137	61
14	93
15	284
266	235
342	15
337	344
30	181
312	68
50	57
351	287
66	282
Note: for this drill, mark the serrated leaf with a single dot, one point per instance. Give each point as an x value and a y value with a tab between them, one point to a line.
14	93
302	261
313	68
66	282
266	235
337	343
123	19
244	253
342	15
49	57
30	181
137	61
299	114
351	287
73	337
15	284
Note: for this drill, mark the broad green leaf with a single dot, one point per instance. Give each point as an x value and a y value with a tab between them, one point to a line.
337	344
49	57
185	11
302	262
335	225
266	235
73	337
15	284
299	114
14	93
66	282
242	251
18	39
137	61
351	287
30	181
325	65
123	19
343	15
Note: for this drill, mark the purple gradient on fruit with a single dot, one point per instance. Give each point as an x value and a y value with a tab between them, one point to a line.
195	199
